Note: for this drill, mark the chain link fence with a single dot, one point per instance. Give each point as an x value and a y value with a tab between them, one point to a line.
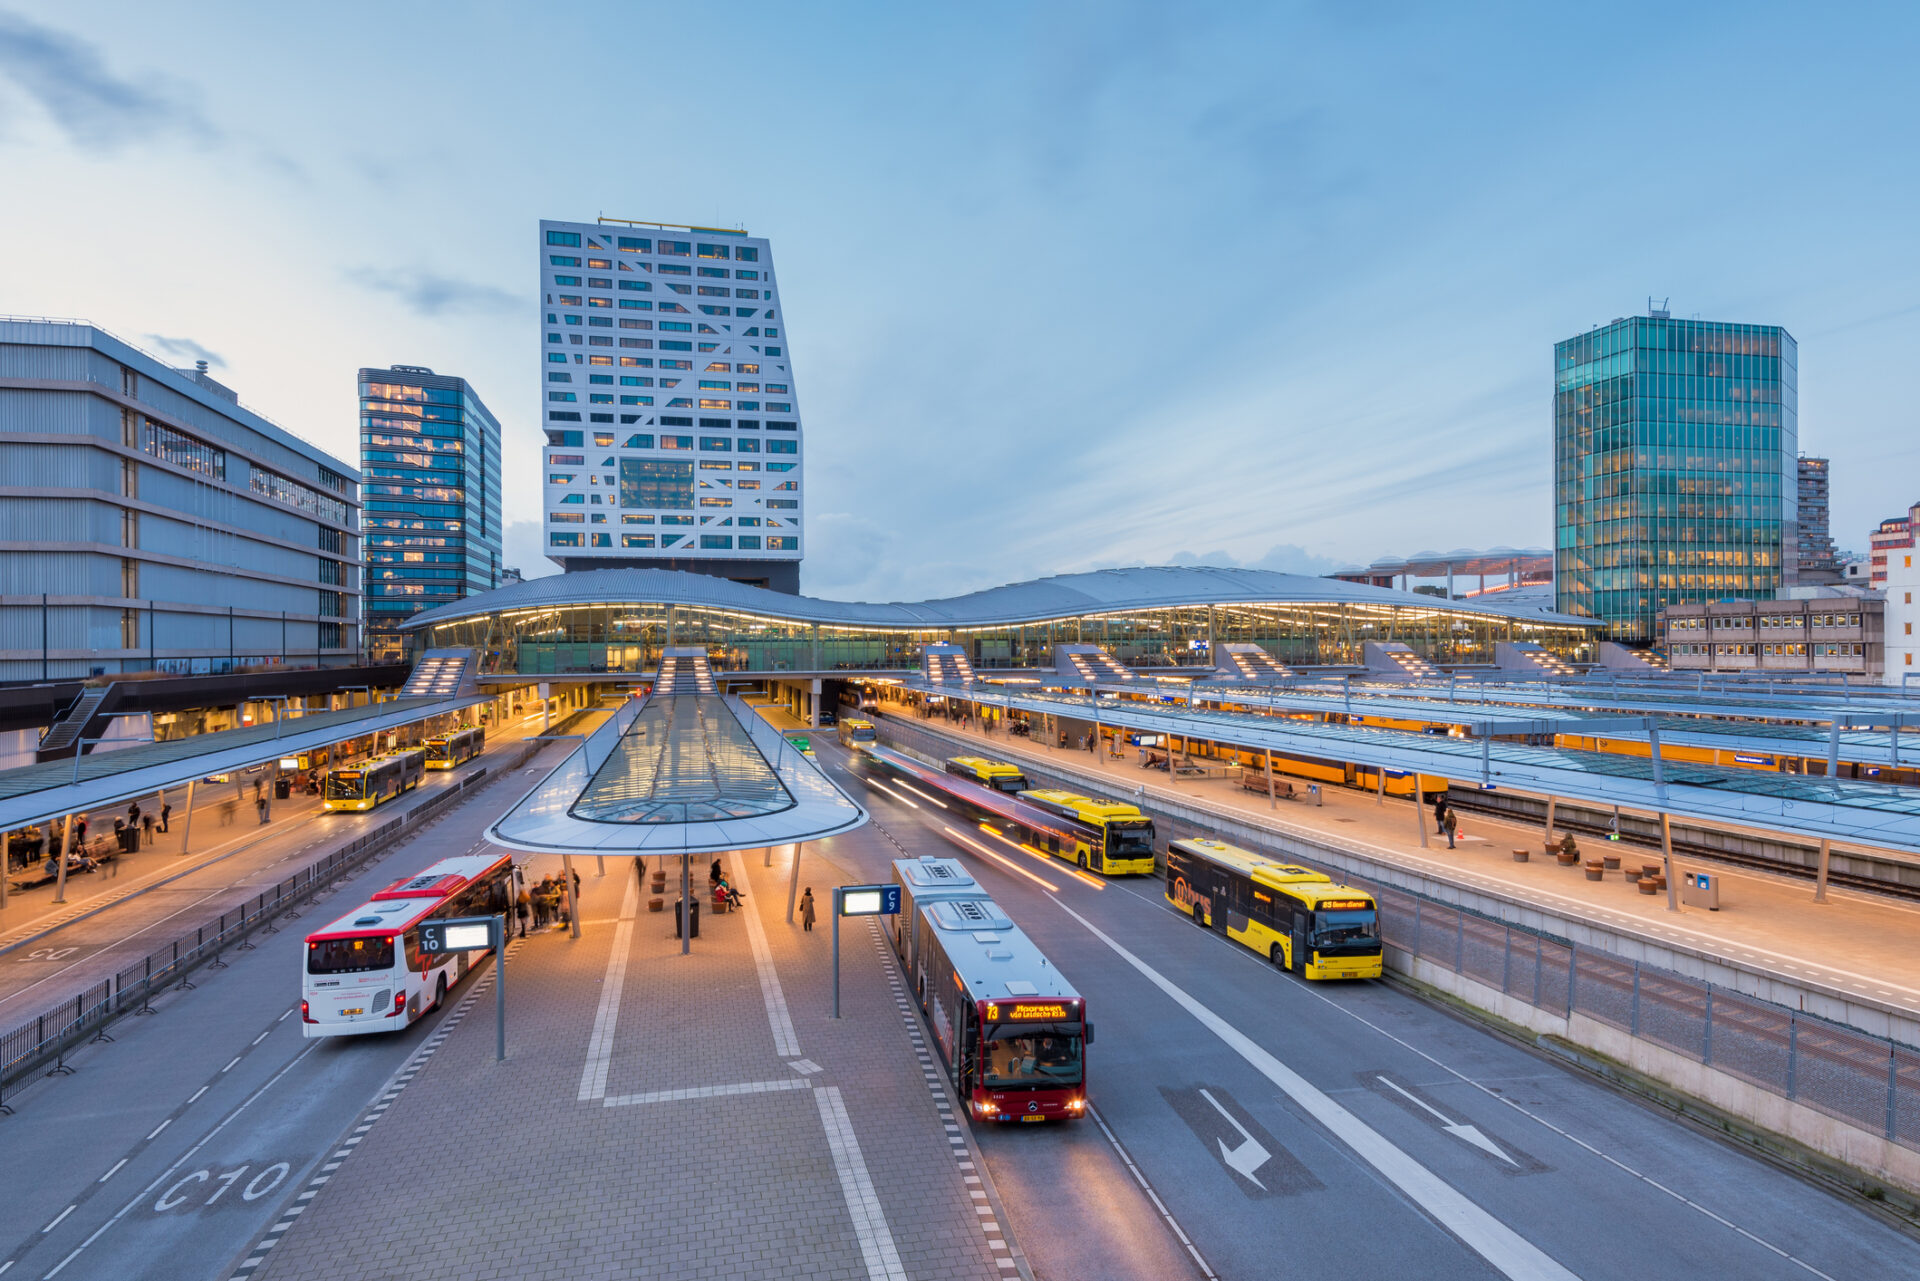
1868	1082
50	1035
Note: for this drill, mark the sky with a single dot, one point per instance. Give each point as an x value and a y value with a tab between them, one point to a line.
1067	285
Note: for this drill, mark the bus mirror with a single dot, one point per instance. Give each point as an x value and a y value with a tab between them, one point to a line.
1089	1028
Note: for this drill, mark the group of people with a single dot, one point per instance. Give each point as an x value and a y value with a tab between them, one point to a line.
1445	822
545	903
723	891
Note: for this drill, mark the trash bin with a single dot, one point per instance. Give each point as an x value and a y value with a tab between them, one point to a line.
682	919
1700	889
282	788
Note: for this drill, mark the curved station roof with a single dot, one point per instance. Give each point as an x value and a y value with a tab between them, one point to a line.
1102	591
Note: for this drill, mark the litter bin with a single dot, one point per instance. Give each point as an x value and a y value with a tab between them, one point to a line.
682	919
282	788
1700	889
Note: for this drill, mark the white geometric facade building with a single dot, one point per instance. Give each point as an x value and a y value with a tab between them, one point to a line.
673	437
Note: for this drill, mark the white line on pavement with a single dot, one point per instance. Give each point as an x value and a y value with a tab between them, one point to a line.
863	1204
1508	1251
593	1077
705	1092
785	1043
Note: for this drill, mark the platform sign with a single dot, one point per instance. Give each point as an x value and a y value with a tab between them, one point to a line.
459	934
869	900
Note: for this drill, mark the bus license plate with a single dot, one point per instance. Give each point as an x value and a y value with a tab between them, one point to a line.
1033	1117
358	1009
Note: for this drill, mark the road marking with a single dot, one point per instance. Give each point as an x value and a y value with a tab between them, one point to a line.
197	1093
785	1043
115	1170
1458	1130
156	1129
705	1092
593	1076
269	1032
856	1186
56	1220
1508	1251
1246	1157
229	1067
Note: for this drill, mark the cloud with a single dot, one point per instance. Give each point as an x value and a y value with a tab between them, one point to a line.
1283	558
68	80
187	349
429	294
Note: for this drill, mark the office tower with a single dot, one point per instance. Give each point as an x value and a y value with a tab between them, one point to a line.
157	525
1675	467
430	459
1819	560
673	435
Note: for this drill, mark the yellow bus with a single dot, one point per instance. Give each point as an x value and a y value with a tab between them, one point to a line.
854	732
998	775
1106	836
361	787
445	751
1296	918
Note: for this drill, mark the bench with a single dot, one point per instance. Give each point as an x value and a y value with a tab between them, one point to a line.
1256	781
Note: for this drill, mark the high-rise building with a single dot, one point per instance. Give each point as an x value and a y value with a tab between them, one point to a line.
430	455
1675	476
1895	534
673	435
153	523
1819	559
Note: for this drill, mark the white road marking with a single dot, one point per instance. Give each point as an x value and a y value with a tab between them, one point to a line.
705	1092
56	1220
856	1185
1248	1156
197	1093
115	1170
156	1129
1508	1251
593	1077
785	1043
1459	1130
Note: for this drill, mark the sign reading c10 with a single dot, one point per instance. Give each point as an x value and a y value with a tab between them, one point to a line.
459	934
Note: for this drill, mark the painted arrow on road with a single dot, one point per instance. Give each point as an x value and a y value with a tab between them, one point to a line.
1248	1156
1458	1129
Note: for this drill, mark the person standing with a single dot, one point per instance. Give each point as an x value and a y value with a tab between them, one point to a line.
166	811
133	814
523	906
806	910
1448	824
1440	808
80	829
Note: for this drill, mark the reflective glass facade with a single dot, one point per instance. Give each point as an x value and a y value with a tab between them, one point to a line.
615	637
430	455
1675	467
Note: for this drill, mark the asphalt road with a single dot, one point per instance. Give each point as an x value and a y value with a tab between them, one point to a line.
1311	1129
166	1153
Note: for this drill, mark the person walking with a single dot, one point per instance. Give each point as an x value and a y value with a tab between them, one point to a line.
166	812
1448	824
806	910
576	887
523	907
540	907
227	810
146	829
260	804
640	871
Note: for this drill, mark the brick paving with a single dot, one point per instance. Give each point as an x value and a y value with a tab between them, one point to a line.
835	1161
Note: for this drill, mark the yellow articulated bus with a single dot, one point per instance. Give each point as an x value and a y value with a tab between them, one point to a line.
1107	836
855	733
1296	918
998	775
446	751
361	787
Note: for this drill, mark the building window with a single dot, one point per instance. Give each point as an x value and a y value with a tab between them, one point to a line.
782	543
563	540
783	447
714	251
716	542
656	483
679	248
570	239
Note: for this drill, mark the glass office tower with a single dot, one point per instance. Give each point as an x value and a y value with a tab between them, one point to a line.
430	459
1676	445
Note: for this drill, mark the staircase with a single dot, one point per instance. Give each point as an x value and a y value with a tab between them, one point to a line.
443	673
683	671
63	737
946	665
1394	660
1088	665
1524	658
1251	663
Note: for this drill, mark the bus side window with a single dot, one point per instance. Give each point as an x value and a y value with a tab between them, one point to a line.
414	959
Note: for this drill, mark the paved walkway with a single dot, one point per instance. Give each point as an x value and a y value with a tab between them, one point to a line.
664	1116
1858	942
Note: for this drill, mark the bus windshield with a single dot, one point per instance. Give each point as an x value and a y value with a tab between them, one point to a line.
1334	928
350	956
345	785
1028	1057
860	733
1131	838
1009	782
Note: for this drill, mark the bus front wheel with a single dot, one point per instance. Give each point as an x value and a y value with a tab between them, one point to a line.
1277	957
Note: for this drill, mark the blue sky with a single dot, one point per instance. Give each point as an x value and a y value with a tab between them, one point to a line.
1066	285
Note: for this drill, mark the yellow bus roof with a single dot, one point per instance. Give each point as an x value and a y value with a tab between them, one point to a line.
982	765
1087	807
853	721
1298	882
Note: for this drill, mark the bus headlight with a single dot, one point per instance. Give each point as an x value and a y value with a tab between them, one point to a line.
1076	1104
986	1108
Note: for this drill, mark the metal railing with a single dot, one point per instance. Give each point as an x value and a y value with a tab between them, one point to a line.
1866	1081
56	1030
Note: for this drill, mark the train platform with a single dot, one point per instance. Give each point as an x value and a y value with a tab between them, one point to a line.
1857	944
663	1115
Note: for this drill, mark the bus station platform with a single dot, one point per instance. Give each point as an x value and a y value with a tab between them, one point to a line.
662	1115
1856	947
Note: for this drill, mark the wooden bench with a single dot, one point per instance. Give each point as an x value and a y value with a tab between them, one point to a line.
1253	780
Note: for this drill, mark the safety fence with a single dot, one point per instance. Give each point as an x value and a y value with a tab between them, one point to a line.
1868	1082
55	1031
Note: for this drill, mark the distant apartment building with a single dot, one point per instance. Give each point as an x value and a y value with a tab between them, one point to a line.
1819	559
430	460
1892	538
149	522
1902	588
1815	636
1675	467
672	427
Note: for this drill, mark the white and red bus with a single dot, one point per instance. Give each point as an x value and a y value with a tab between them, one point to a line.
366	972
1012	1034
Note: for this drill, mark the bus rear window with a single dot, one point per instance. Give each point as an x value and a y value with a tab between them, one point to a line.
350	956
